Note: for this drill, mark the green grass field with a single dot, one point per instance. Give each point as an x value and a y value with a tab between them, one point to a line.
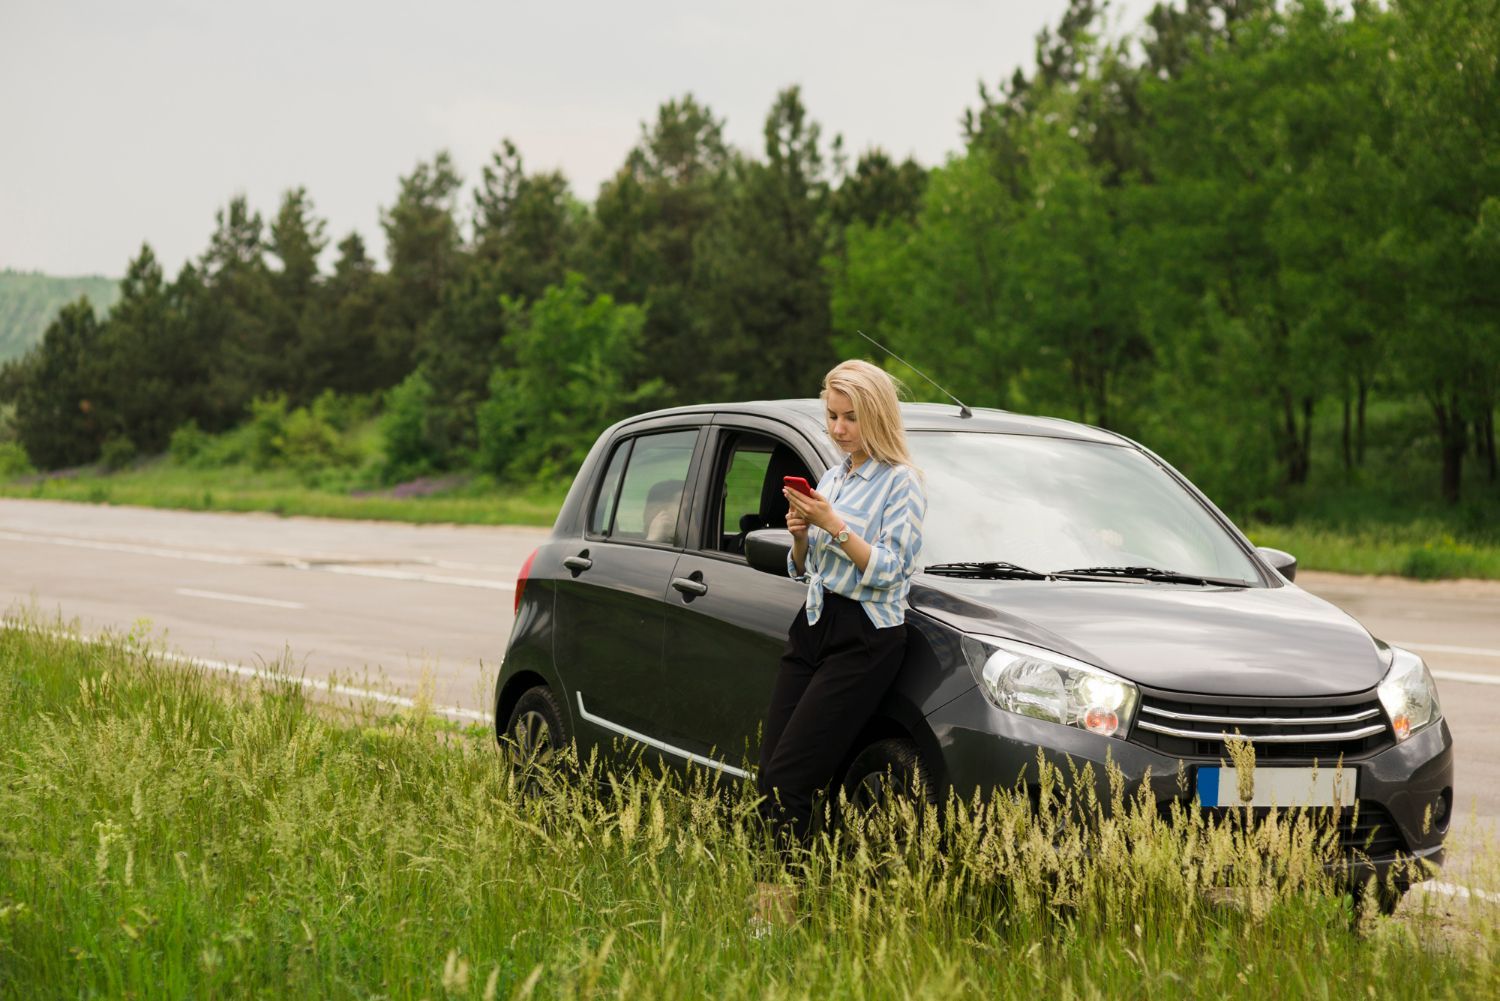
166	835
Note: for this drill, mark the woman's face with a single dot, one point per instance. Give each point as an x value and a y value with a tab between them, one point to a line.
843	428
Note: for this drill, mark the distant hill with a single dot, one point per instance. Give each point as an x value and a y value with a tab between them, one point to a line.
29	301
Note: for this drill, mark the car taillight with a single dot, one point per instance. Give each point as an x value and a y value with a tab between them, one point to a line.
521	579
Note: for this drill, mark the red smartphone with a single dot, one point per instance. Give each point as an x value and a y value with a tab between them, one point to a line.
798	484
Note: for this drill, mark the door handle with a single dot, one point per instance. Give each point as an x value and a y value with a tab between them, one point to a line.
578	564
691	587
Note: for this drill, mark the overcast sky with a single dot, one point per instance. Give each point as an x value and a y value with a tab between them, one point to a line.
129	122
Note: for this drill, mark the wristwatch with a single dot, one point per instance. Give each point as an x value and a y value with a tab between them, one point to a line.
843	535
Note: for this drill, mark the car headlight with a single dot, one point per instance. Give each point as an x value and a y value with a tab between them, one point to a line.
1409	694
1041	684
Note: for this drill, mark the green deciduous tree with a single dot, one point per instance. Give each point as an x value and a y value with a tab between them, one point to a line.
1222	146
1442	84
933	291
573	355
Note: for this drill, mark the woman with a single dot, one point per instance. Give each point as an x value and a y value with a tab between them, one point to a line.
855	541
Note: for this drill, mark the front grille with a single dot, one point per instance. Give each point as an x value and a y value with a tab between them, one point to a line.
1368	832
1323	730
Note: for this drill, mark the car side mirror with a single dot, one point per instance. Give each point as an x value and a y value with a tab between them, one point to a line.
1284	562
767	549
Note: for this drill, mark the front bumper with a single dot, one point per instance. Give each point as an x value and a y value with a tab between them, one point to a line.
983	748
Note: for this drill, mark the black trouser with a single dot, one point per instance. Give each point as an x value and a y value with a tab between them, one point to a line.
833	675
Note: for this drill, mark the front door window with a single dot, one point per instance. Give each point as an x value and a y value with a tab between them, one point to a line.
748	489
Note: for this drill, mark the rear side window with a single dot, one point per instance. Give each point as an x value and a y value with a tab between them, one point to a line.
650	494
609	492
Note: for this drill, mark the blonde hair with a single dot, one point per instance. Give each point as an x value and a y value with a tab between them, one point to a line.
877	408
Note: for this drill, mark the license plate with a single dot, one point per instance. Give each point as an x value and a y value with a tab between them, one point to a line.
1279	787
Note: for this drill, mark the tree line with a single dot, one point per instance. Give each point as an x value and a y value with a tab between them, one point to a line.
1206	234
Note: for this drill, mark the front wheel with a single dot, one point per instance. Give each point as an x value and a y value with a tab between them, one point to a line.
886	770
1384	896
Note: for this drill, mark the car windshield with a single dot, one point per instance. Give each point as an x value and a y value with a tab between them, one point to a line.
1056	504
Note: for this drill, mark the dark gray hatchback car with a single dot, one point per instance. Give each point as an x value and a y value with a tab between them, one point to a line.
1078	595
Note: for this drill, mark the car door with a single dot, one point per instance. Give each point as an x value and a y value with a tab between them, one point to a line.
723	645
609	605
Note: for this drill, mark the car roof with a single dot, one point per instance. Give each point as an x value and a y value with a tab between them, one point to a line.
808	413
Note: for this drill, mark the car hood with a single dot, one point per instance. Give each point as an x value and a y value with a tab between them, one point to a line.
1257	641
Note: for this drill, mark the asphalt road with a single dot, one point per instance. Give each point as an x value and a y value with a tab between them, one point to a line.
379	604
388	605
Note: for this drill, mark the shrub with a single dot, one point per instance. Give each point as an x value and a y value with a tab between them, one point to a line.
408	446
266	427
116	453
341	412
1445	558
188	444
13	460
309	444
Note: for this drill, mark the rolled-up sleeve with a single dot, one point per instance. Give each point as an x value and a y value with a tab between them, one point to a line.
893	553
791	567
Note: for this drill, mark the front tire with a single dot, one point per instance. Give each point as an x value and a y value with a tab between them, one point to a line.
1381	896
888	769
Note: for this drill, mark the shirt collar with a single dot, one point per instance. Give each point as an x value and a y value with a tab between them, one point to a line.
866	469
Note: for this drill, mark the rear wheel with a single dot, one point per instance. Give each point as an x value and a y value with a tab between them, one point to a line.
536	731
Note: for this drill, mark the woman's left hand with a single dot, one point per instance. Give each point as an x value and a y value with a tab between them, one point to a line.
815	509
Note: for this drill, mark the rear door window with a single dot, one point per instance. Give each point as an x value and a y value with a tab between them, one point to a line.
648	503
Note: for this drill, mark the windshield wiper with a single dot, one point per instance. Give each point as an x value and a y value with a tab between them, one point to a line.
1148	573
988	571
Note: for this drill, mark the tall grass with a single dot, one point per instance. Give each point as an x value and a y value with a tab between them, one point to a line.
163	835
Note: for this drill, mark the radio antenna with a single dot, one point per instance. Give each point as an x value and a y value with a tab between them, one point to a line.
963	411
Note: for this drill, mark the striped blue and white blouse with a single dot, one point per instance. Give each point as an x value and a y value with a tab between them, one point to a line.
884	505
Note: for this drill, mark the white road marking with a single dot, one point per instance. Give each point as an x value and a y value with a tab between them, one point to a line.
1466	651
128	547
425	578
261	674
1466	678
1463	677
289	562
1454	890
246	599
